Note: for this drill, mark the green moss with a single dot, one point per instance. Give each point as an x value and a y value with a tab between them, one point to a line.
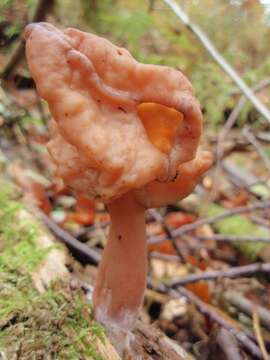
9	207
18	233
239	225
56	324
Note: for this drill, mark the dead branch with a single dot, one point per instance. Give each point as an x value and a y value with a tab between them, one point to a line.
252	139
239	210
234	272
206	310
233	117
241	335
227	343
247	306
242	179
260	221
91	255
234	238
193	226
263	136
165	257
180	13
155	214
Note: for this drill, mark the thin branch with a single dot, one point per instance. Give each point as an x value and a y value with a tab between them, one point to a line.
168	233
234	238
234	116
180	13
72	243
242	179
190	227
263	136
260	221
252	139
227	343
247	306
233	272
164	257
238	210
210	312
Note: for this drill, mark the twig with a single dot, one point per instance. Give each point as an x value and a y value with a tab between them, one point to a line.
247	306
42	7
230	273
227	343
95	257
233	238
209	311
91	255
164	257
234	116
260	221
258	333
238	210
251	138
190	227
264	137
169	234
243	179
180	13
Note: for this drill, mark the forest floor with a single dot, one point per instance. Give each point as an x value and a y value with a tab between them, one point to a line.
209	255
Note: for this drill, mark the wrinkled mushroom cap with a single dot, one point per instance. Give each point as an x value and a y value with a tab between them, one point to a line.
119	125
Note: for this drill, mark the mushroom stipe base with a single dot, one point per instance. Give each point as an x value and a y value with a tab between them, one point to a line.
121	279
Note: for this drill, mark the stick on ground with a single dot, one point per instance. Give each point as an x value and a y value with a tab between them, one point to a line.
237	271
227	342
260	205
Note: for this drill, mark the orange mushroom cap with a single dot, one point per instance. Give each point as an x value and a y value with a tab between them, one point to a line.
119	125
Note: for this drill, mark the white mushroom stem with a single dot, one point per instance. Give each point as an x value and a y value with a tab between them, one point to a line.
121	278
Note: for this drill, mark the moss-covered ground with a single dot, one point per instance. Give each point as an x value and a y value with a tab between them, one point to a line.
56	324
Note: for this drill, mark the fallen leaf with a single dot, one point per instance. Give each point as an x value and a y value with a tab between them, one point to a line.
201	289
162	269
177	219
199	263
84	213
165	247
174	308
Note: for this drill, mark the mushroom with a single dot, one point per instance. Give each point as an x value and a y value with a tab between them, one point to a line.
124	133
